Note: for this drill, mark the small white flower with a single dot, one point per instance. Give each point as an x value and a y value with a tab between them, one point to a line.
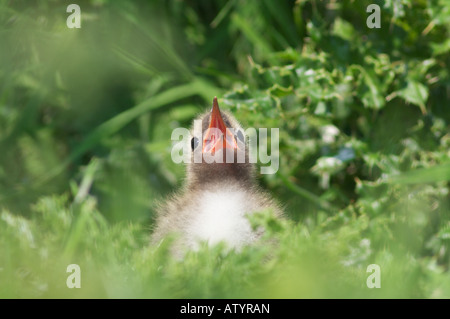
328	165
329	133
325	167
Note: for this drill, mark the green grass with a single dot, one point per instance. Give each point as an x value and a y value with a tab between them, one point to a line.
86	118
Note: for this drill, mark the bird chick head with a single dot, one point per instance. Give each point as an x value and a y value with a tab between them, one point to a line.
219	151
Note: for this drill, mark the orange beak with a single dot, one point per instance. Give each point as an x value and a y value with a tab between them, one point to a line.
213	140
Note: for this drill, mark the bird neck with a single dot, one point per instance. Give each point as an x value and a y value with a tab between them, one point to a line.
207	176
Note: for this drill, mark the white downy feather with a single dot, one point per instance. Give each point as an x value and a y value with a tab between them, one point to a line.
221	216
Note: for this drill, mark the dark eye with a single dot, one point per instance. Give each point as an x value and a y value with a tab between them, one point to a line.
194	143
240	136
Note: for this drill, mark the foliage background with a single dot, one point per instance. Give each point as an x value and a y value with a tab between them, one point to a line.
86	117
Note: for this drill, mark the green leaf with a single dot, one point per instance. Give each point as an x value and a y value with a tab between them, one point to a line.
415	93
371	89
441	48
343	29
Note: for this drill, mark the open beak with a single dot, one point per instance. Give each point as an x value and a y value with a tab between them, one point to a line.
214	137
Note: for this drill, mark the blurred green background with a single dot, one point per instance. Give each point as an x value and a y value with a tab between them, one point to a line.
86	117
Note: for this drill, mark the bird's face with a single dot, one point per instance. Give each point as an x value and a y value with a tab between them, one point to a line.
219	135
222	146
